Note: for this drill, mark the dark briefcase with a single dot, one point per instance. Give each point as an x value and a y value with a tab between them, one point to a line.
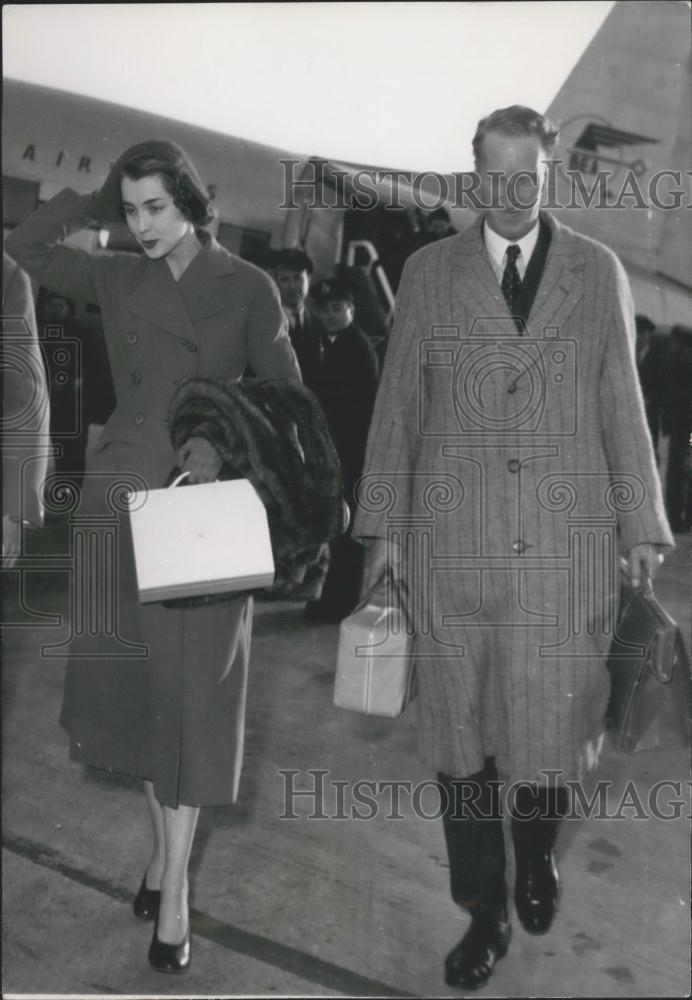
651	690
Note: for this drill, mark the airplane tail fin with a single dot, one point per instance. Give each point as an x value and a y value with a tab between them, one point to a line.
625	109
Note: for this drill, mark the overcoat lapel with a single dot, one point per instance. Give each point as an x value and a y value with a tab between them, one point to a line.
562	284
476	290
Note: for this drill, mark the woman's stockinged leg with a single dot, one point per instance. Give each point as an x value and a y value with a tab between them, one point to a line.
179	832
155	867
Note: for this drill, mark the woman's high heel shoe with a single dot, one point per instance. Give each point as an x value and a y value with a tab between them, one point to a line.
170	957
146	902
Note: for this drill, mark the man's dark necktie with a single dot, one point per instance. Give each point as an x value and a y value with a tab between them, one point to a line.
511	282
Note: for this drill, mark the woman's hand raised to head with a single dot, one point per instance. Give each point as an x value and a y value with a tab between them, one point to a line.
200	459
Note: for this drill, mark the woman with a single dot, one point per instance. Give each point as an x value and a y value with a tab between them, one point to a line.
160	695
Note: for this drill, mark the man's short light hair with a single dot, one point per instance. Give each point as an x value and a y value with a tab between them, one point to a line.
515	120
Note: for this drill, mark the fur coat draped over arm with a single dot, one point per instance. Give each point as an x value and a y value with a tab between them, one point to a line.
273	433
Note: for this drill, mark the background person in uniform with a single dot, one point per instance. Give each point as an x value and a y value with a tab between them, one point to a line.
651	370
25	412
346	385
184	307
503	678
435	225
677	424
440	225
292	270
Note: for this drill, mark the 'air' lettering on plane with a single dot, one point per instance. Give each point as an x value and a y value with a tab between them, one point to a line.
83	164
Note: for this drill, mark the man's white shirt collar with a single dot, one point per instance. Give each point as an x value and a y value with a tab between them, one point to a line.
496	246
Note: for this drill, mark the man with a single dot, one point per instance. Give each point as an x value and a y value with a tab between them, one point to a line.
651	370
346	384
677	424
292	270
439	225
25	415
508	461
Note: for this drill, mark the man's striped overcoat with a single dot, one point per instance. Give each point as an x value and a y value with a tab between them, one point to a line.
511	469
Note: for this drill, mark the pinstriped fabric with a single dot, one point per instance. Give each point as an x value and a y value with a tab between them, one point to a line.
516	467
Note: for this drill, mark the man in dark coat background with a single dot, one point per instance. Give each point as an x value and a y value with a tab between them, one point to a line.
651	367
292	269
438	226
345	384
677	424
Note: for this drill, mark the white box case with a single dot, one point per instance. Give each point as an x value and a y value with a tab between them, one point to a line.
202	539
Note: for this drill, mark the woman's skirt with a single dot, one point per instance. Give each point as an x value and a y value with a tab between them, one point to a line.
151	691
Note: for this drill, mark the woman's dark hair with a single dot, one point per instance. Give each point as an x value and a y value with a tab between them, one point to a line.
188	195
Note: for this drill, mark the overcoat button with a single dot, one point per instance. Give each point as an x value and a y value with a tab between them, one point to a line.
139	418
519	546
191	346
135	378
132	338
514	465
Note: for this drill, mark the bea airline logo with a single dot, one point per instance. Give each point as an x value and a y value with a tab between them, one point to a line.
590	144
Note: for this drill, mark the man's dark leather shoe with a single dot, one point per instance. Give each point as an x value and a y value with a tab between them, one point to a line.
470	965
535	892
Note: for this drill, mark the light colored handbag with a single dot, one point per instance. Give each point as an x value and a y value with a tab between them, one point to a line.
207	538
374	667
